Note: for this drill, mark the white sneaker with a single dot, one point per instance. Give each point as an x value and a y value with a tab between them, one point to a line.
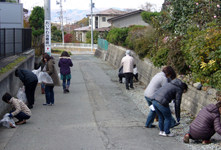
161	133
168	135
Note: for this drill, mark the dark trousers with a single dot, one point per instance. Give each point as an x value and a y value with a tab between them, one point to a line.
49	94
21	116
121	75
136	76
129	79
30	92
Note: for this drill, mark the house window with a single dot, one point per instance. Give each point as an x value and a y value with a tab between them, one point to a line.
89	21
103	19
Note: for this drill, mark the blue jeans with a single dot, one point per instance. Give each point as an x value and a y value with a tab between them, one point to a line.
64	83
21	116
151	115
42	85
49	94
164	115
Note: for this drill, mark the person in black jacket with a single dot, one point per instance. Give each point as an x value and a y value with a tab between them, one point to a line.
121	74
161	99
30	81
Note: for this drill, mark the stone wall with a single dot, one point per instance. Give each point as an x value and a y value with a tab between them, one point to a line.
10	83
193	101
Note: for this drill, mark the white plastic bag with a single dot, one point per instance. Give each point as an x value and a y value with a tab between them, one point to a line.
21	94
172	108
7	121
123	80
36	72
152	107
44	77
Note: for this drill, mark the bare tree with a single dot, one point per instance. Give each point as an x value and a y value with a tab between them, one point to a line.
129	10
149	7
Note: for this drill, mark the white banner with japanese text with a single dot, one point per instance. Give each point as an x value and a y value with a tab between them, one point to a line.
48	36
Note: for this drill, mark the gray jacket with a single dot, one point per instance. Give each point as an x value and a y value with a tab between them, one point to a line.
155	84
168	92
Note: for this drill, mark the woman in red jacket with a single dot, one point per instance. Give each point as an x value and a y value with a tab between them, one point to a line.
206	124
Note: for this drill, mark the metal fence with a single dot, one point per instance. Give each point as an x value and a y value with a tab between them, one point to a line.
76	45
14	41
103	44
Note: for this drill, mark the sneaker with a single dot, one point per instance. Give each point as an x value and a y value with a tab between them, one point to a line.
161	133
46	104
168	135
67	90
206	142
30	106
64	91
132	88
186	138
176	124
152	126
20	122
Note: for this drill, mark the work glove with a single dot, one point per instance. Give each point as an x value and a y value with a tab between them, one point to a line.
178	119
10	115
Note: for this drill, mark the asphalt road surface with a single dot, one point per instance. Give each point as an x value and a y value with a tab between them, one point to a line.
95	115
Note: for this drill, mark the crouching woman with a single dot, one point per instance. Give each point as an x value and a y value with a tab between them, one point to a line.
21	111
205	125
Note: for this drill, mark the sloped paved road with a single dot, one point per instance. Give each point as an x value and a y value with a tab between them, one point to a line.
95	115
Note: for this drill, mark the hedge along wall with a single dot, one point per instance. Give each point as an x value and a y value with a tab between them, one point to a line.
192	101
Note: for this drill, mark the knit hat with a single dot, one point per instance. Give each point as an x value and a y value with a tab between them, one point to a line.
127	52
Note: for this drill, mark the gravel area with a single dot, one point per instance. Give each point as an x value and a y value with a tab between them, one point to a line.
139	100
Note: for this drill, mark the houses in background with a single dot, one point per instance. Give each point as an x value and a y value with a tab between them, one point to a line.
103	20
100	23
125	20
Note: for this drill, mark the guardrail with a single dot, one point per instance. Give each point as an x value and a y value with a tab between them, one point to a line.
75	45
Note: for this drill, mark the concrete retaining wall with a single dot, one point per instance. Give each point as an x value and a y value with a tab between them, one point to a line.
193	101
10	83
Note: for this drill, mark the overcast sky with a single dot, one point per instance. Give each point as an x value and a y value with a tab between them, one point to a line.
99	4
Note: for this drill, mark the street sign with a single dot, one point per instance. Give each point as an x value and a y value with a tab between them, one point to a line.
48	36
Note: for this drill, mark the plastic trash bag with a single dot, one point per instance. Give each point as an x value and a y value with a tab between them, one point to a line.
21	94
172	108
36	72
152	107
7	121
45	78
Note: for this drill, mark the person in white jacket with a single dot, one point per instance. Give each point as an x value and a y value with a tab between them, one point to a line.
128	62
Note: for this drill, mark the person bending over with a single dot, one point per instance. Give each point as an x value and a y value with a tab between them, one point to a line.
20	110
205	125
161	99
30	82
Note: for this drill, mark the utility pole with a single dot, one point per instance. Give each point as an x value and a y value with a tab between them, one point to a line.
47	7
66	23
92	40
61	17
